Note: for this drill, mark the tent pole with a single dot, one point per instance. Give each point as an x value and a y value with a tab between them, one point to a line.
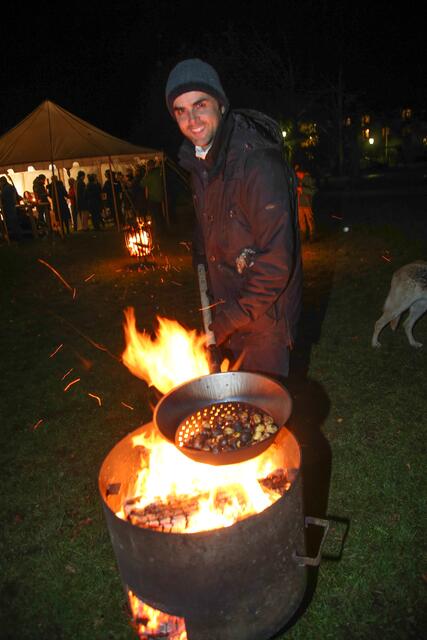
56	197
100	180
165	193
113	192
55	191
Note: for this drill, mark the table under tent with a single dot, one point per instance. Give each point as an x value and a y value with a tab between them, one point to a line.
53	141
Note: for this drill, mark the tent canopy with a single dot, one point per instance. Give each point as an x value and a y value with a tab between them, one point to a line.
52	135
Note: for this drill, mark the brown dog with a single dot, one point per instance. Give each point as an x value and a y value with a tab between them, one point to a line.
408	291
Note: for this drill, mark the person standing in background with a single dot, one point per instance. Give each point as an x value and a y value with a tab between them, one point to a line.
62	215
72	199
113	200
94	200
306	190
9	199
80	189
42	202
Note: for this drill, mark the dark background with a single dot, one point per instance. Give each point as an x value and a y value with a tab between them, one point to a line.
108	62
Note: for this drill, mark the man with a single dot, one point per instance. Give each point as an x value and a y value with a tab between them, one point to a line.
42	202
113	198
81	203
245	202
9	201
306	189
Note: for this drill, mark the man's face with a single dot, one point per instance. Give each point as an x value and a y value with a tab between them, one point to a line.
198	116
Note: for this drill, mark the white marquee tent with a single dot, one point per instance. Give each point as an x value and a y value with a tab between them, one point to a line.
51	137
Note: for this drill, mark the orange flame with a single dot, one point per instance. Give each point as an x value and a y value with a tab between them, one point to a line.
223	494
139	241
174	357
150	622
167	474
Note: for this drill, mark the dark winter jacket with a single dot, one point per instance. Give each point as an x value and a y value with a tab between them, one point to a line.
62	195
245	202
40	192
93	197
80	189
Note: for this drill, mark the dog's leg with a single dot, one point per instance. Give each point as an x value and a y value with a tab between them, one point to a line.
379	326
416	311
391	314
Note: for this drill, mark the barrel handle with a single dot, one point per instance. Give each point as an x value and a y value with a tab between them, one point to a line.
306	560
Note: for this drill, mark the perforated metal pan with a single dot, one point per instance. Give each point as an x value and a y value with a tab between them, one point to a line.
252	388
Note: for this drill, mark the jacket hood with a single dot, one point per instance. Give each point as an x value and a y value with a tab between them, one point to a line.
267	128
240	129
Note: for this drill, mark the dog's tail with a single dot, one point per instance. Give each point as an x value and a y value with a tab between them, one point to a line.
395	322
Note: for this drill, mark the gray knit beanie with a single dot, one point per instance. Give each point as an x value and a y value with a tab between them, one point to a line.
194	75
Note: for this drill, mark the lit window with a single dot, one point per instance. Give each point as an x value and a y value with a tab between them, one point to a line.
366	134
366	119
309	129
406	114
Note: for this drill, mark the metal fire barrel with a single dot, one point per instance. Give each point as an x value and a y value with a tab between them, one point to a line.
243	582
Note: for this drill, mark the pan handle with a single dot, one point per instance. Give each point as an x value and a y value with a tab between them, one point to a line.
206	311
212	351
306	560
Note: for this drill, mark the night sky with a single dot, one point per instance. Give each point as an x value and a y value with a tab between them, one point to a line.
106	62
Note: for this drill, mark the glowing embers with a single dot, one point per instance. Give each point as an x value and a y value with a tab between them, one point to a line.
151	623
139	238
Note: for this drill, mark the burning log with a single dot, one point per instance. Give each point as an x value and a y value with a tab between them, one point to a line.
276	482
174	515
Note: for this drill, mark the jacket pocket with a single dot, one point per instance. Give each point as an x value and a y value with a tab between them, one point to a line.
236	232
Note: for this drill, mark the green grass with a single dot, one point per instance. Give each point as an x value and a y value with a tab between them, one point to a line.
365	407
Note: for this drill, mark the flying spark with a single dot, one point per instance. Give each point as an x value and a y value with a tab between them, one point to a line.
67	374
56	351
70	384
92	395
58	275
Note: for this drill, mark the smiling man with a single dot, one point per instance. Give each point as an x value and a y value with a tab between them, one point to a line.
247	221
198	116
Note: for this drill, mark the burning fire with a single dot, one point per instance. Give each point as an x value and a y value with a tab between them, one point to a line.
139	241
152	622
167	478
176	494
174	357
171	492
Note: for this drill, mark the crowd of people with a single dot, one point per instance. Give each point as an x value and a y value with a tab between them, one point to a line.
86	204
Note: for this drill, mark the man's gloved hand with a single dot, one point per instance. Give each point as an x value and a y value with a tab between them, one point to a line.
222	327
